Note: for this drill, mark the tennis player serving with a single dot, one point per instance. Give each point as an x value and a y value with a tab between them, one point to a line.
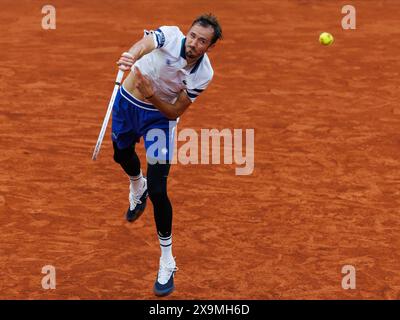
168	71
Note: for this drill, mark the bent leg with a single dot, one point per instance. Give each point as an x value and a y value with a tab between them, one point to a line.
128	159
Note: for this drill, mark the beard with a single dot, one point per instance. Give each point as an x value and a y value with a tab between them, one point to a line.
191	53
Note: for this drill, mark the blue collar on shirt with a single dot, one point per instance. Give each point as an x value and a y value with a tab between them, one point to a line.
183	55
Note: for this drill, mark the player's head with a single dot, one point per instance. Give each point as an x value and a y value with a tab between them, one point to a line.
202	36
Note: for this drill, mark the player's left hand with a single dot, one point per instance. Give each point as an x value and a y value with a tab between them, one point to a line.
143	84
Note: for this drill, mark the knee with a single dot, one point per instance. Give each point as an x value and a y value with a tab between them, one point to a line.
118	157
157	176
157	191
122	155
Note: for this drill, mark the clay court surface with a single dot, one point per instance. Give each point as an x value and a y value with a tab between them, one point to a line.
325	188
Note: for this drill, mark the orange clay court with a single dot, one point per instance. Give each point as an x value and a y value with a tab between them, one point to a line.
325	188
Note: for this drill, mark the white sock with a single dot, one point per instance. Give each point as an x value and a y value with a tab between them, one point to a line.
136	181
166	248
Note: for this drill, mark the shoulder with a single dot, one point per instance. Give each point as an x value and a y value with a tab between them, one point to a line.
170	31
167	37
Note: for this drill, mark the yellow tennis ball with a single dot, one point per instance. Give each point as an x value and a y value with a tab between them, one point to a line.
325	38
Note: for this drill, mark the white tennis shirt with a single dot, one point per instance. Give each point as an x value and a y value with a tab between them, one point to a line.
166	66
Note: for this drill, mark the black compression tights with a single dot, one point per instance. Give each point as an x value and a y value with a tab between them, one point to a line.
128	159
157	175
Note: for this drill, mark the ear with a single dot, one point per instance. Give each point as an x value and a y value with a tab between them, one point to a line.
211	47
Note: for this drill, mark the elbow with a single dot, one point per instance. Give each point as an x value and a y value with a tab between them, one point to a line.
170	114
173	115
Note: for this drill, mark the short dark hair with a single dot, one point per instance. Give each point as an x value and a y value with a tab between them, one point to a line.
208	19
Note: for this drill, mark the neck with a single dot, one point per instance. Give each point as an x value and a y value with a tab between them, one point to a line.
191	62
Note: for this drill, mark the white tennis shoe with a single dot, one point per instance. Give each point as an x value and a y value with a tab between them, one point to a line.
137	201
164	284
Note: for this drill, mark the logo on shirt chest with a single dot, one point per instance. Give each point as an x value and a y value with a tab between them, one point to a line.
168	62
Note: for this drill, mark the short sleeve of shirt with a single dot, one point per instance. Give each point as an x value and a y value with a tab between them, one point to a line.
163	35
193	93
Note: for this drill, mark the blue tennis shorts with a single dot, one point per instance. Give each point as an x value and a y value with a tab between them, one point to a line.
133	119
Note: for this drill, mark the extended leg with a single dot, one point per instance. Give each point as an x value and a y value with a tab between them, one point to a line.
157	175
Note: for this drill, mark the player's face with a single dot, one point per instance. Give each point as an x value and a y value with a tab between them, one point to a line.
198	41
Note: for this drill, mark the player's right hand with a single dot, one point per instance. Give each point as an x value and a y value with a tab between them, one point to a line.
126	61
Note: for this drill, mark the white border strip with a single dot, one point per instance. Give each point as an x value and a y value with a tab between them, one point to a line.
136	105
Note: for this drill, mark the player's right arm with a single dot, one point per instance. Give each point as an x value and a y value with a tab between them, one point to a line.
138	50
